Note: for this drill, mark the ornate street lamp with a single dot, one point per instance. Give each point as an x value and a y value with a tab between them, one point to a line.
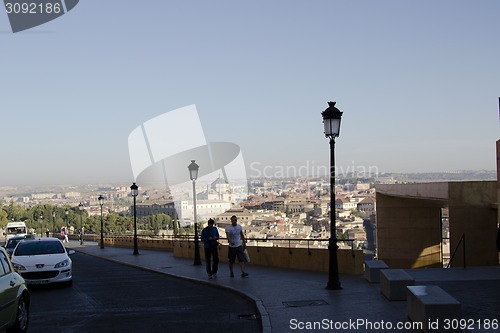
193	174
134	190
101	202
80	207
331	120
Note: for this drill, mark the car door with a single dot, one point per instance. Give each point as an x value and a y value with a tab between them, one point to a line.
9	285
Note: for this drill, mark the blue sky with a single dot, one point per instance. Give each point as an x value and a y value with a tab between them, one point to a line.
418	82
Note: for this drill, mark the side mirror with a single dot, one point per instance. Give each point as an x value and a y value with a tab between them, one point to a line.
70	252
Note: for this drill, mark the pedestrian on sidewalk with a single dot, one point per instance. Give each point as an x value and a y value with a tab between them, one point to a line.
237	246
64	234
210	239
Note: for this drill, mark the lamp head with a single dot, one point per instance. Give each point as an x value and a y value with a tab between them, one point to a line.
101	200
134	190
193	170
331	120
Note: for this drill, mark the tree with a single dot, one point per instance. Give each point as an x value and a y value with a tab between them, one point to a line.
3	218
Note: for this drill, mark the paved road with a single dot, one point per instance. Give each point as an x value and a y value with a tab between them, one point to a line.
109	297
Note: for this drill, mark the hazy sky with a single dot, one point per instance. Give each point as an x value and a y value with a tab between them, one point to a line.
418	82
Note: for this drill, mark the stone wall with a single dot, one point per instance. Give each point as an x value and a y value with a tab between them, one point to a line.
316	260
349	261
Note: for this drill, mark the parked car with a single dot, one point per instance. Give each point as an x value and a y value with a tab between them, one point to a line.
43	261
14	298
12	242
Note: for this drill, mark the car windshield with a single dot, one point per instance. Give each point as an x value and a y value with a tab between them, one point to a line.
12	242
31	248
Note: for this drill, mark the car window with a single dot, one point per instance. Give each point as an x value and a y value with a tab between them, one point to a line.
32	248
12	242
4	264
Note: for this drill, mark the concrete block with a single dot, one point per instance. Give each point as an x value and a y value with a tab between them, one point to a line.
372	270
393	283
431	306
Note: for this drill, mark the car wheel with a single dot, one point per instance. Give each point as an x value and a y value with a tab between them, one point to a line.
22	317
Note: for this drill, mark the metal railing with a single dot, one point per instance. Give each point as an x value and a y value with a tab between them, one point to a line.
289	243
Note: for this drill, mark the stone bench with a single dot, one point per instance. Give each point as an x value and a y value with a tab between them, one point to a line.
372	270
431	306
393	283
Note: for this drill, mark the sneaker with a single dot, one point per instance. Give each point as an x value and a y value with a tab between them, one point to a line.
210	277
214	275
232	274
244	274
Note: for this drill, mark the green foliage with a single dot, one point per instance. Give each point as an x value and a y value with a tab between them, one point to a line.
40	218
3	218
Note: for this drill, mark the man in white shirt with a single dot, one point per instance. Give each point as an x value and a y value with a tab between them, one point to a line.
236	239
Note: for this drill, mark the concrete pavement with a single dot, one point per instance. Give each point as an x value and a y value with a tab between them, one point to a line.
292	300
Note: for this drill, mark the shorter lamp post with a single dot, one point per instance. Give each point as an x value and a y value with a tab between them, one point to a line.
134	190
101	202
193	174
41	225
53	224
67	220
331	120
80	207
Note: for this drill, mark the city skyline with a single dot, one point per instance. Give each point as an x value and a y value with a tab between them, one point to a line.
417	83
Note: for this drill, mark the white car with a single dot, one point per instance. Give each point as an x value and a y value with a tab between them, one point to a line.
14	298
43	261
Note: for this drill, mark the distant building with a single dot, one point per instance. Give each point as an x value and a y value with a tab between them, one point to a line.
146	209
299	206
362	187
220	190
72	195
345	204
39	196
205	209
367	206
245	217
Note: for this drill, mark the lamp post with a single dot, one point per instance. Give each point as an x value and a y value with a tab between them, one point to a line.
67	220
41	225
134	190
101	202
193	174
53	224
80	207
331	120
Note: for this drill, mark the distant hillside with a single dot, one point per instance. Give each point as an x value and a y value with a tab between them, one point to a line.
460	175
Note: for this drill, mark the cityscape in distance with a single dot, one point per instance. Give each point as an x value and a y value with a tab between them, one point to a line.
269	209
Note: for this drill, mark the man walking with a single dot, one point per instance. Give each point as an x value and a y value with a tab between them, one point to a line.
237	246
210	239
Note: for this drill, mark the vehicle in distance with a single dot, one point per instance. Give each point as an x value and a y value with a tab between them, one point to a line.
43	261
14	298
10	245
14	229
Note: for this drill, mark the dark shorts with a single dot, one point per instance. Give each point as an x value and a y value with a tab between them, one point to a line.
234	252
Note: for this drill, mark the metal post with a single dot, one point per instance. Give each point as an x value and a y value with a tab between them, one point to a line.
136	250
53	224
197	259
102	235
333	271
81	228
